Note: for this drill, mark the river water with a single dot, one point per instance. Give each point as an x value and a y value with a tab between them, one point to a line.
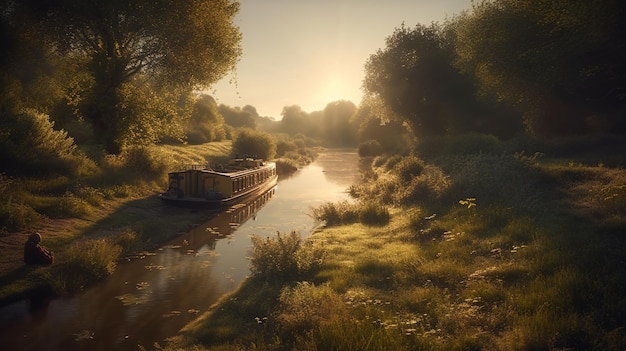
150	297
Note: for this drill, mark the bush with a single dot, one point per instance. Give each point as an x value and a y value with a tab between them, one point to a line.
282	257
304	306
370	148
85	263
408	168
374	214
29	143
336	213
286	166
283	146
253	143
143	161
15	216
14	213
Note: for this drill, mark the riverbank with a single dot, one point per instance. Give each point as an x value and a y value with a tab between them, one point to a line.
101	218
126	210
483	251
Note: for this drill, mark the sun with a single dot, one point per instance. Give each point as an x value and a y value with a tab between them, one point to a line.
334	88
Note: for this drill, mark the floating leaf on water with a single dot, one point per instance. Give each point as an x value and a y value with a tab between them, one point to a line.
84	335
131	299
172	313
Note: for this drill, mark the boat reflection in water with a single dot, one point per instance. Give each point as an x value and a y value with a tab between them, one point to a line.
225	223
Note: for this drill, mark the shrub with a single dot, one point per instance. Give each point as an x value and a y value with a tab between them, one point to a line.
15	216
284	146
85	263
408	168
14	213
336	213
143	161
429	185
370	148
304	306
282	257
286	166
374	214
29	143
253	143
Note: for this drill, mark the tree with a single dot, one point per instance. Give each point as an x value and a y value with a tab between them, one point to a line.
185	45
561	62
206	123
416	79
237	117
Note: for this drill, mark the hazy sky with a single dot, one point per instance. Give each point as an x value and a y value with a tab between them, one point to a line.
312	52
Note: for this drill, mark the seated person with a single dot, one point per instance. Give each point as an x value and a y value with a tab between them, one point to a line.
35	253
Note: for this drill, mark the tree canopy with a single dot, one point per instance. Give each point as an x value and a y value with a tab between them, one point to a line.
558	66
559	61
151	46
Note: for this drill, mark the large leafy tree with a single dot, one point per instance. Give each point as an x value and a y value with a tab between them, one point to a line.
160	45
561	62
415	78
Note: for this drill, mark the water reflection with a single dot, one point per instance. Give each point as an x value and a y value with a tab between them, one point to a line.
153	295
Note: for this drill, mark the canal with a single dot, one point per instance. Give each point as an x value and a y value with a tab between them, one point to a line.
152	296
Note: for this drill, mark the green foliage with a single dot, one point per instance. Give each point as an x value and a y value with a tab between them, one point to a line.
470	143
285	146
14	213
132	93
369	148
283	257
338	129
305	305
556	61
408	168
143	161
15	216
206	123
374	214
415	78
29	143
253	143
339	213
239	118
84	264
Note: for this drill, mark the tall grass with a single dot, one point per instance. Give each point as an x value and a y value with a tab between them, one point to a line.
84	263
283	257
496	251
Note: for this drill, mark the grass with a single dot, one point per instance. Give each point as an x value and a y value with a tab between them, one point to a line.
505	253
92	221
108	207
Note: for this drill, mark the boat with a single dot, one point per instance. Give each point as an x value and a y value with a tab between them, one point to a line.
221	185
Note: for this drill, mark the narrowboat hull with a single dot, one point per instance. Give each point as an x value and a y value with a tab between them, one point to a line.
209	188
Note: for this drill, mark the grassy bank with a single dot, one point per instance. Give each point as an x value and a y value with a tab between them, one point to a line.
486	248
100	214
92	221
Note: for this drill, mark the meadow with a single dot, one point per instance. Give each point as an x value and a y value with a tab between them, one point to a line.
471	244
